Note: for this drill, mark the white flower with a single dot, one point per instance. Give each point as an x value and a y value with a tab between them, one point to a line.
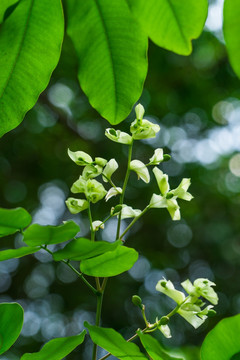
118	136
76	205
80	157
165	330
97	225
139	110
129	212
162	180
109	169
157	157
113	192
159	201
140	168
201	287
167	288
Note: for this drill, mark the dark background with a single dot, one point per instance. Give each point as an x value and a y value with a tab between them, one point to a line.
196	102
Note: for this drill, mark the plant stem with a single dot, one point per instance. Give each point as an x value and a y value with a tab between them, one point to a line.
98	319
134	220
90	220
66	262
124	188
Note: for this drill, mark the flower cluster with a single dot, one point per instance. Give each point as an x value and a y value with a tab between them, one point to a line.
189	307
95	191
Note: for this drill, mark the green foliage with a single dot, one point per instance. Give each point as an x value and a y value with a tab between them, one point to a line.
81	249
112	52
13	220
57	349
231	30
112	341
17	253
30	45
171	24
154	349
111	263
5	8
11	315
222	342
36	234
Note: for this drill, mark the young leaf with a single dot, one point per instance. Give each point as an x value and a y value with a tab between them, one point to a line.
154	348
231	29
11	322
223	341
45	235
112	52
113	342
57	349
111	263
17	253
171	24
32	35
13	220
81	249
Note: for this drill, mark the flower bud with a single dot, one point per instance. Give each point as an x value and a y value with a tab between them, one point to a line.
116	210
164	320
136	300
80	157
118	136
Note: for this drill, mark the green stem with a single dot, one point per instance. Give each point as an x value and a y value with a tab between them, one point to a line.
134	220
80	275
98	319
90	220
124	188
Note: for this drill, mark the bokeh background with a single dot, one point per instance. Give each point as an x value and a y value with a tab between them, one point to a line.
196	101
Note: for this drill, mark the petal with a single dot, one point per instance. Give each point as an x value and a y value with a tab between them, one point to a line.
113	192
157	157
162	180
167	288
109	169
158	201
76	205
140	168
80	157
129	212
139	110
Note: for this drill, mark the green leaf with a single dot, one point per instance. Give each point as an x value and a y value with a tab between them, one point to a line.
154	349
111	263
6	7
11	322
57	349
30	45
222	343
171	24
45	235
82	248
112	52
13	220
231	30
17	253
113	342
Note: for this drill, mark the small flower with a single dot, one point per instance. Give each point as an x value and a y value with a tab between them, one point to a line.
142	128
140	168
97	225
139	110
157	157
113	192
165	330
91	171
94	191
75	206
100	161
201	287
79	186
118	136
109	169
168	199
129	212
80	157
167	288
